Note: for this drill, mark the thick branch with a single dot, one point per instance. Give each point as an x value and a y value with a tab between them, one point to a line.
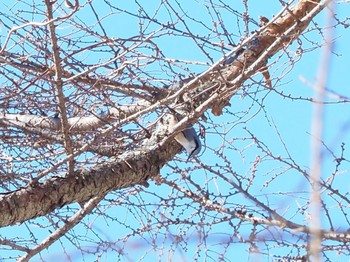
39	199
75	124
133	168
226	76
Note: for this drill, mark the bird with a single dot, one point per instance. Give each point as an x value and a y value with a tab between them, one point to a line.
188	137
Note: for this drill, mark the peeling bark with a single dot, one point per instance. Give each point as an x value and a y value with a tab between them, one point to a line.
132	168
220	78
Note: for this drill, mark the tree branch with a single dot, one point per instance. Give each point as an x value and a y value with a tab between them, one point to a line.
40	198
131	168
72	221
74	124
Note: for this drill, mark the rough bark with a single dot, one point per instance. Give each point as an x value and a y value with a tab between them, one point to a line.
224	79
39	199
212	89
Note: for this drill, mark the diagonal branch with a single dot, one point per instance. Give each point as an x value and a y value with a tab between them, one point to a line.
41	198
277	221
72	221
211	89
226	76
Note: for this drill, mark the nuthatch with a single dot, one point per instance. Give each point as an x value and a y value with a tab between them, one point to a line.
187	138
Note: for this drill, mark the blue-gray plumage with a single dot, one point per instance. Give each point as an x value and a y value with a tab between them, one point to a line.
188	138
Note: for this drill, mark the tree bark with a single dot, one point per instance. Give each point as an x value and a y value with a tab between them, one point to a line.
38	199
212	89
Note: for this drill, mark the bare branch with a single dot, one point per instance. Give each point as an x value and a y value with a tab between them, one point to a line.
72	221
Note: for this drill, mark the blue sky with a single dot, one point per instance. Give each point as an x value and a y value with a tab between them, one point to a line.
290	117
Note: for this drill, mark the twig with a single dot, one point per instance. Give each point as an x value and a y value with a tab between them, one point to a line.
72	221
